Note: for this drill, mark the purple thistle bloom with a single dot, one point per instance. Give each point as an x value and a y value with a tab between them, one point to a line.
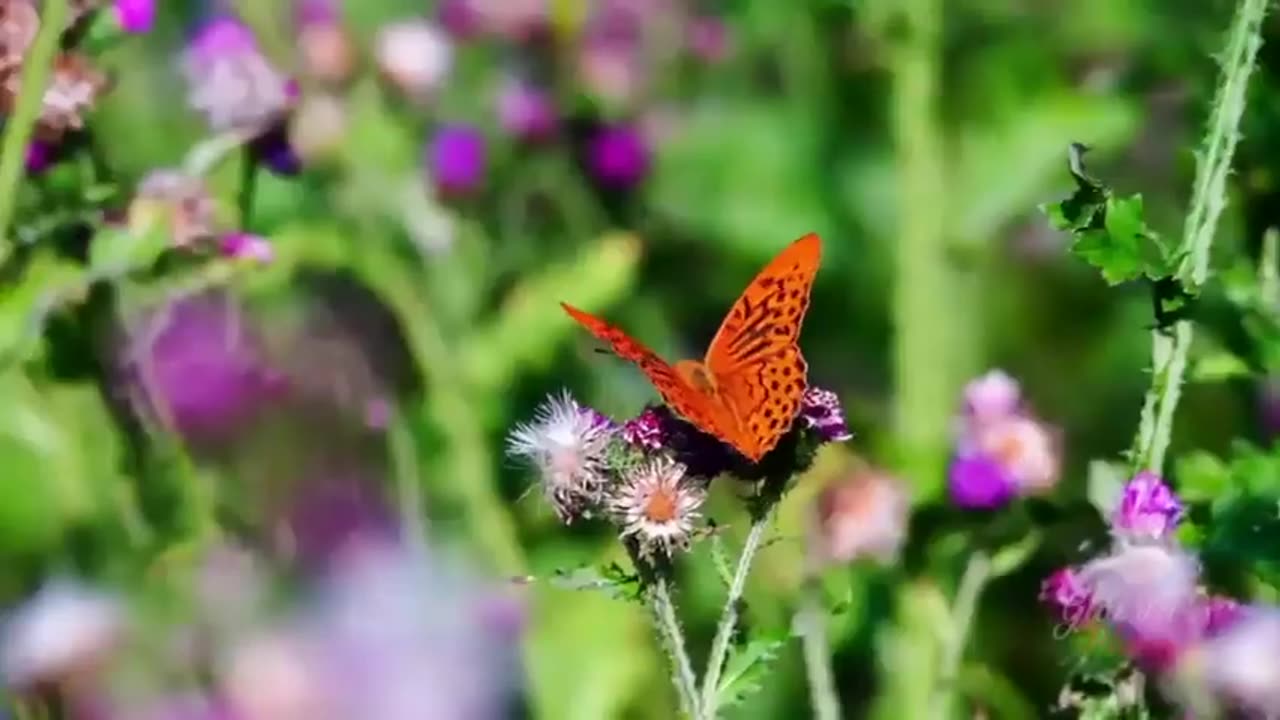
992	396
1221	613
619	156
198	367
645	430
135	16
241	245
702	455
457	159
273	150
527	111
820	410
1148	508
1064	592
459	18
40	157
978	482
332	516
231	82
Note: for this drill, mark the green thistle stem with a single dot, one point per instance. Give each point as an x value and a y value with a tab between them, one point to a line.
668	626
20	126
729	616
817	652
1170	346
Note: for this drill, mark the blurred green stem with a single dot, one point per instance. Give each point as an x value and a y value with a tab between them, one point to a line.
1170	346
20	125
729	616
923	332
668	625
817	651
976	574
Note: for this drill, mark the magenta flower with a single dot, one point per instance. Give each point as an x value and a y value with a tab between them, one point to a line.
197	366
1148	509
135	16
231	82
1064	592
993	395
708	39
820	411
618	156
40	157
247	246
645	430
978	482
457	159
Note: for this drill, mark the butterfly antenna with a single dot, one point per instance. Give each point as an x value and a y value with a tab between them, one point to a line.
604	351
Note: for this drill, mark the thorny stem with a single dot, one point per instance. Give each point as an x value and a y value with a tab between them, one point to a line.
729	616
20	126
1170	346
976	575
668	626
817	652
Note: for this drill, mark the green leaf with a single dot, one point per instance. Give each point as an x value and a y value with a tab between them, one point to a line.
747	668
117	251
1202	476
1219	366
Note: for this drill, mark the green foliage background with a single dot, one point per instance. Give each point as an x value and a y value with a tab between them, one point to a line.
917	136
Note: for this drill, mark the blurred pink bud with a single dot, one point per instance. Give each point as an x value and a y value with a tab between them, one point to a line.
864	515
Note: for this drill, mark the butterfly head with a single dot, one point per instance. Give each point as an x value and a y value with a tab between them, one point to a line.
696	375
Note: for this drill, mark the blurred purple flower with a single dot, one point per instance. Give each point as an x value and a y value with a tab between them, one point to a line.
992	396
1064	592
1148	509
64	631
978	482
527	112
863	515
246	246
197	366
324	45
40	157
135	16
820	410
1238	665
708	39
457	159
618	156
459	18
274	151
644	430
231	82
415	56
331	517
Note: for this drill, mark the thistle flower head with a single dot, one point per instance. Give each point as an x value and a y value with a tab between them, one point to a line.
820	411
657	506
978	482
864	515
181	203
1064	593
414	56
231	82
567	444
526	111
992	395
1148	509
134	16
619	156
645	430
1238	666
72	91
247	246
457	159
1025	448
64	630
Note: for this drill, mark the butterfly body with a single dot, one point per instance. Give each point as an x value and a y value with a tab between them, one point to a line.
747	390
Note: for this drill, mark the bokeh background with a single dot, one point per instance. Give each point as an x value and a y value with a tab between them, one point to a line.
640	159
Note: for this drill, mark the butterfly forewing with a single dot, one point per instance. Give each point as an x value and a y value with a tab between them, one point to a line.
754	357
686	401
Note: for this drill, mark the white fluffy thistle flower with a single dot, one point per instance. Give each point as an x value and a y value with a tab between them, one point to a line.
567	444
657	506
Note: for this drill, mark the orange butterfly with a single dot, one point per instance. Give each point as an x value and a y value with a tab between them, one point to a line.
747	390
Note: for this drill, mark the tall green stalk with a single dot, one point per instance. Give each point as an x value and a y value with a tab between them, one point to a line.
20	125
1170	346
923	380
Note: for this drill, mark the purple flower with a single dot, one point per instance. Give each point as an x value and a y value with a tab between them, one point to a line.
457	159
527	111
863	515
273	150
820	410
618	156
991	396
644	430
978	482
231	82
241	245
703	455
1148	508
567	444
333	516
1064	592
135	16
708	39
459	18
40	157
197	367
